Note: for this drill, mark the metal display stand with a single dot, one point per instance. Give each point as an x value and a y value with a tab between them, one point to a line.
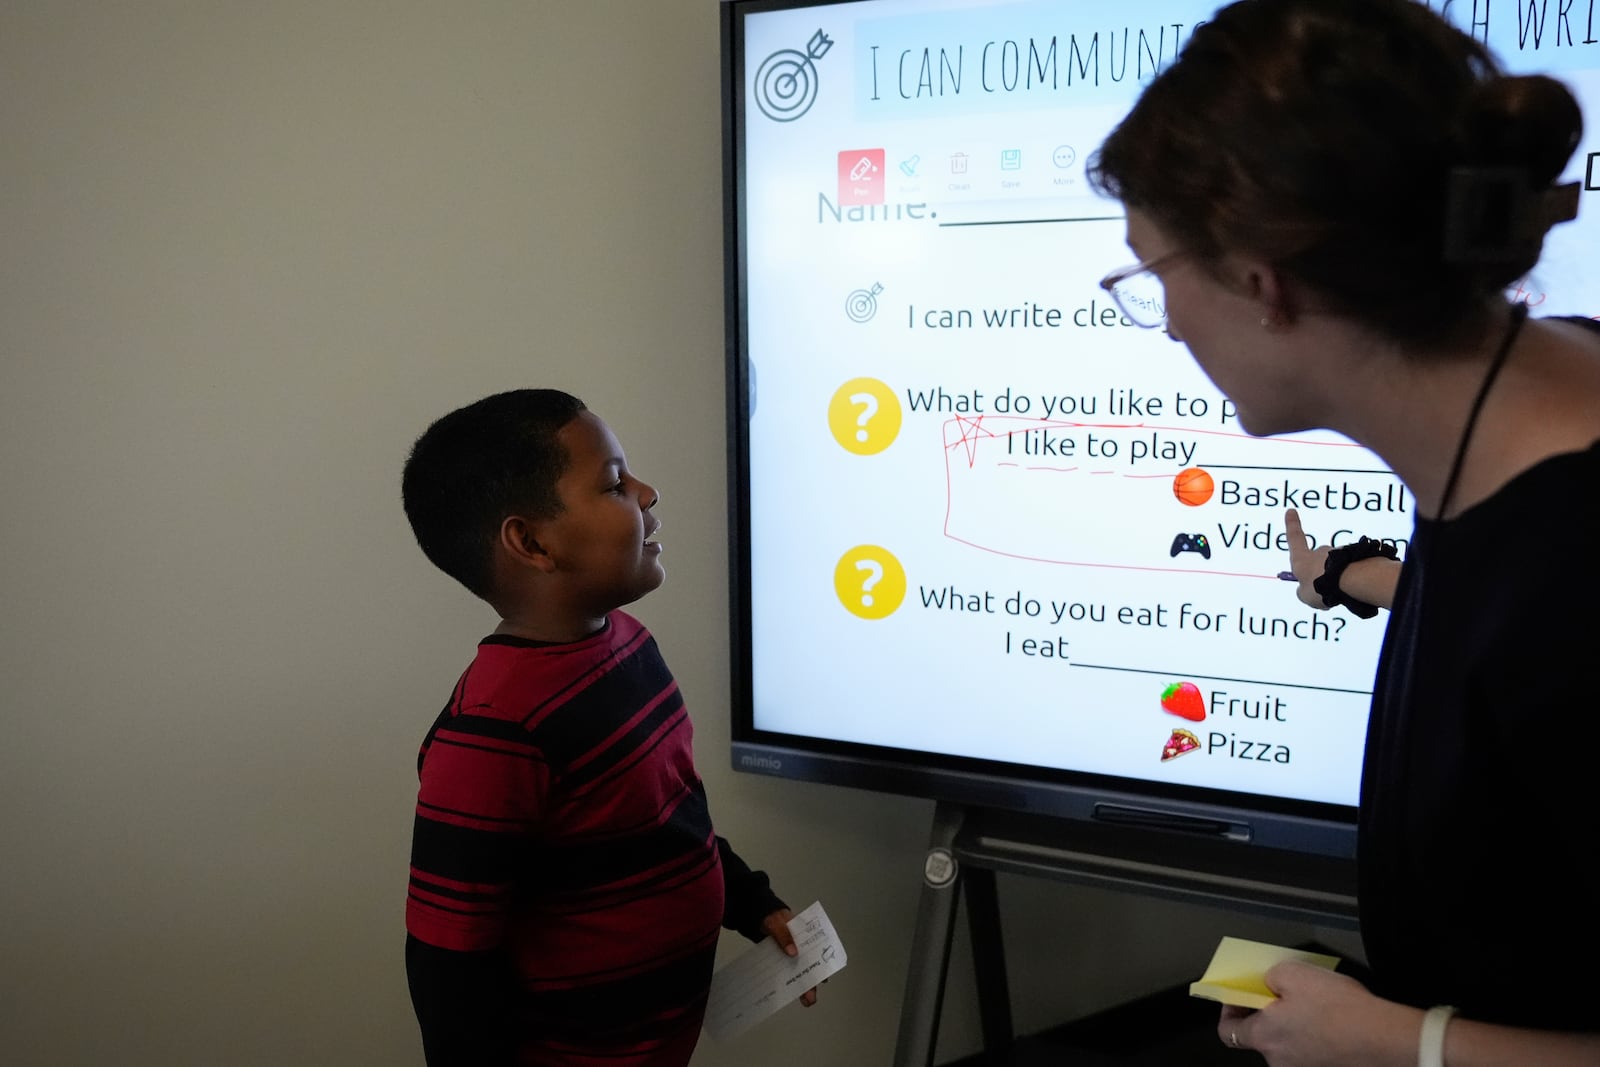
968	846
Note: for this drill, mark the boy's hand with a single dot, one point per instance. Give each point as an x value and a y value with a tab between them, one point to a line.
777	926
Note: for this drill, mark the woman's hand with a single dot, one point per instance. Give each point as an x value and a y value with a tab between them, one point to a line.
1324	1019
1371	581
1305	561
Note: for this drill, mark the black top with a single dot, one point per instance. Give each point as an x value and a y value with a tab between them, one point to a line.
1479	847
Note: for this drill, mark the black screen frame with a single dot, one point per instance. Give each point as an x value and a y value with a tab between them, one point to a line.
1129	810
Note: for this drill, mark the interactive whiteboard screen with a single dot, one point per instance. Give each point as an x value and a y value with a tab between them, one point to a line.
994	541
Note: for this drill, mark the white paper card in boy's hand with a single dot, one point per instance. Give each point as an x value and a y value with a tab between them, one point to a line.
764	978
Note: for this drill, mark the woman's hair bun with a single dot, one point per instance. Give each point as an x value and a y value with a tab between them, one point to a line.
1529	121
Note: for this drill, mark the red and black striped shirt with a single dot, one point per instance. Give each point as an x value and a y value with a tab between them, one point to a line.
567	887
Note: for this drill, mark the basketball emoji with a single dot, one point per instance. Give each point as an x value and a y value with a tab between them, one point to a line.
1193	486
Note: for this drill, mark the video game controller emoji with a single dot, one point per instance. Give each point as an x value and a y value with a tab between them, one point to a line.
1191	543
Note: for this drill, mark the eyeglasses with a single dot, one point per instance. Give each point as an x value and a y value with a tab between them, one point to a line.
1139	294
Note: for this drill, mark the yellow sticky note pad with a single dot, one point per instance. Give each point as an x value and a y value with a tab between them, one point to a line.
1237	974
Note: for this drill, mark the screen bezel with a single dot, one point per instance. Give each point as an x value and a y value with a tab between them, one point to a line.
1141	807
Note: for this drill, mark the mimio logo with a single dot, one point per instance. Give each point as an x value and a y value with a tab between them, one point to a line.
763	763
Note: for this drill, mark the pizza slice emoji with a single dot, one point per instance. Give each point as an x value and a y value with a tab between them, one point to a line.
1180	742
1183	699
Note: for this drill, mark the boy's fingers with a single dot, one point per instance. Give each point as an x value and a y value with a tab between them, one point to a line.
777	925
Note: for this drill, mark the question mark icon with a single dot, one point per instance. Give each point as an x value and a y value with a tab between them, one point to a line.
869	407
874	571
870	582
864	416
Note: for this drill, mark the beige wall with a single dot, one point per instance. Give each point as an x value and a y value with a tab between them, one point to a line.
247	251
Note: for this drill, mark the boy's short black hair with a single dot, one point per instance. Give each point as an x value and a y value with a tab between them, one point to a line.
496	457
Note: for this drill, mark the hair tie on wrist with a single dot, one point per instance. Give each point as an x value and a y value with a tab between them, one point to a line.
1430	1049
1327	584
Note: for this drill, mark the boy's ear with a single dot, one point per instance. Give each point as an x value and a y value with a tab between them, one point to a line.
520	543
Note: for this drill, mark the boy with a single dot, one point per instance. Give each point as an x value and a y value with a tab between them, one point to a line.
566	885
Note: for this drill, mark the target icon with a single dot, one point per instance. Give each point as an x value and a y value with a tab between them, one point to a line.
786	81
862	304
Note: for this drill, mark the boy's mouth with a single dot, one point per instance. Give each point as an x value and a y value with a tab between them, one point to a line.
650	533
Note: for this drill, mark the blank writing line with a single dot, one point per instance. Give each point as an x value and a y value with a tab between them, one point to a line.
1297	470
1219	678
1031	222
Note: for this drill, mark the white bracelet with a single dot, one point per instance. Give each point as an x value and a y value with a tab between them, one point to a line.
1430	1051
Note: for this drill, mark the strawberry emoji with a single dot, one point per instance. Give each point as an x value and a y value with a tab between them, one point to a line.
1183	699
